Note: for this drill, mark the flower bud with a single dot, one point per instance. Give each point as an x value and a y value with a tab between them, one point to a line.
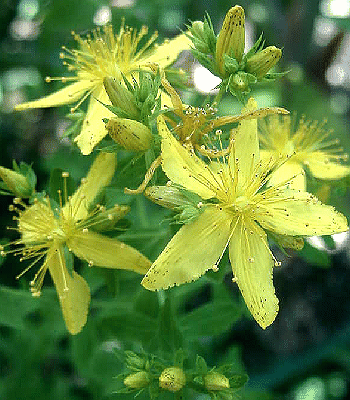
130	134
120	97
145	86
138	380
239	82
16	183
172	379
231	37
197	29
260	63
216	381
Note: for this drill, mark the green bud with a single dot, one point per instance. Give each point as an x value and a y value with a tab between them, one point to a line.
167	196
172	379
16	183
130	134
145	86
260	63
120	97
197	28
187	208
138	380
231	39
238	82
134	361
215	381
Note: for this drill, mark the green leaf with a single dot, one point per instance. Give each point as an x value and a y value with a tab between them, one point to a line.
15	305
170	338
218	315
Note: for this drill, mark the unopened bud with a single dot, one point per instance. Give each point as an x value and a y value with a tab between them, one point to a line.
120	97
239	82
145	86
231	38
260	63
130	134
138	380
16	183
172	379
197	29
216	381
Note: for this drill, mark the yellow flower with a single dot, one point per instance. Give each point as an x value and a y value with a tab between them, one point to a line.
197	122
308	146
49	233
237	208
105	55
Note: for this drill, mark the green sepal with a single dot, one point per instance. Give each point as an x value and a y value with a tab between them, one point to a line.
74	128
201	366
238	381
230	64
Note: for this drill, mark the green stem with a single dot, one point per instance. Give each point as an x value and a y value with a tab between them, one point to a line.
219	95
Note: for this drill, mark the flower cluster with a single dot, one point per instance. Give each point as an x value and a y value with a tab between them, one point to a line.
231	186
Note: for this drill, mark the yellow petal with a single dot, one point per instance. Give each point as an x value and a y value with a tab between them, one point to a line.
73	291
167	53
102	251
286	172
299	214
244	155
252	266
67	95
99	176
93	129
196	248
183	167
321	168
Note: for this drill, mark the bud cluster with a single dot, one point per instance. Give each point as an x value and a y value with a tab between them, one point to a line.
134	105
151	373
224	54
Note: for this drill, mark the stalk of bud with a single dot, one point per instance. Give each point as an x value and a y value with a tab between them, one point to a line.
215	381
172	379
231	38
138	380
130	134
260	63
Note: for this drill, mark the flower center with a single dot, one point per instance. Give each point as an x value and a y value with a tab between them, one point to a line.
242	204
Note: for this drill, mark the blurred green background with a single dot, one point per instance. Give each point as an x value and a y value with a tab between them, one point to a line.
305	354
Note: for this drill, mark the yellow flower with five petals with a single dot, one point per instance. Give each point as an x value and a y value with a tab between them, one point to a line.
102	55
50	233
307	146
237	210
